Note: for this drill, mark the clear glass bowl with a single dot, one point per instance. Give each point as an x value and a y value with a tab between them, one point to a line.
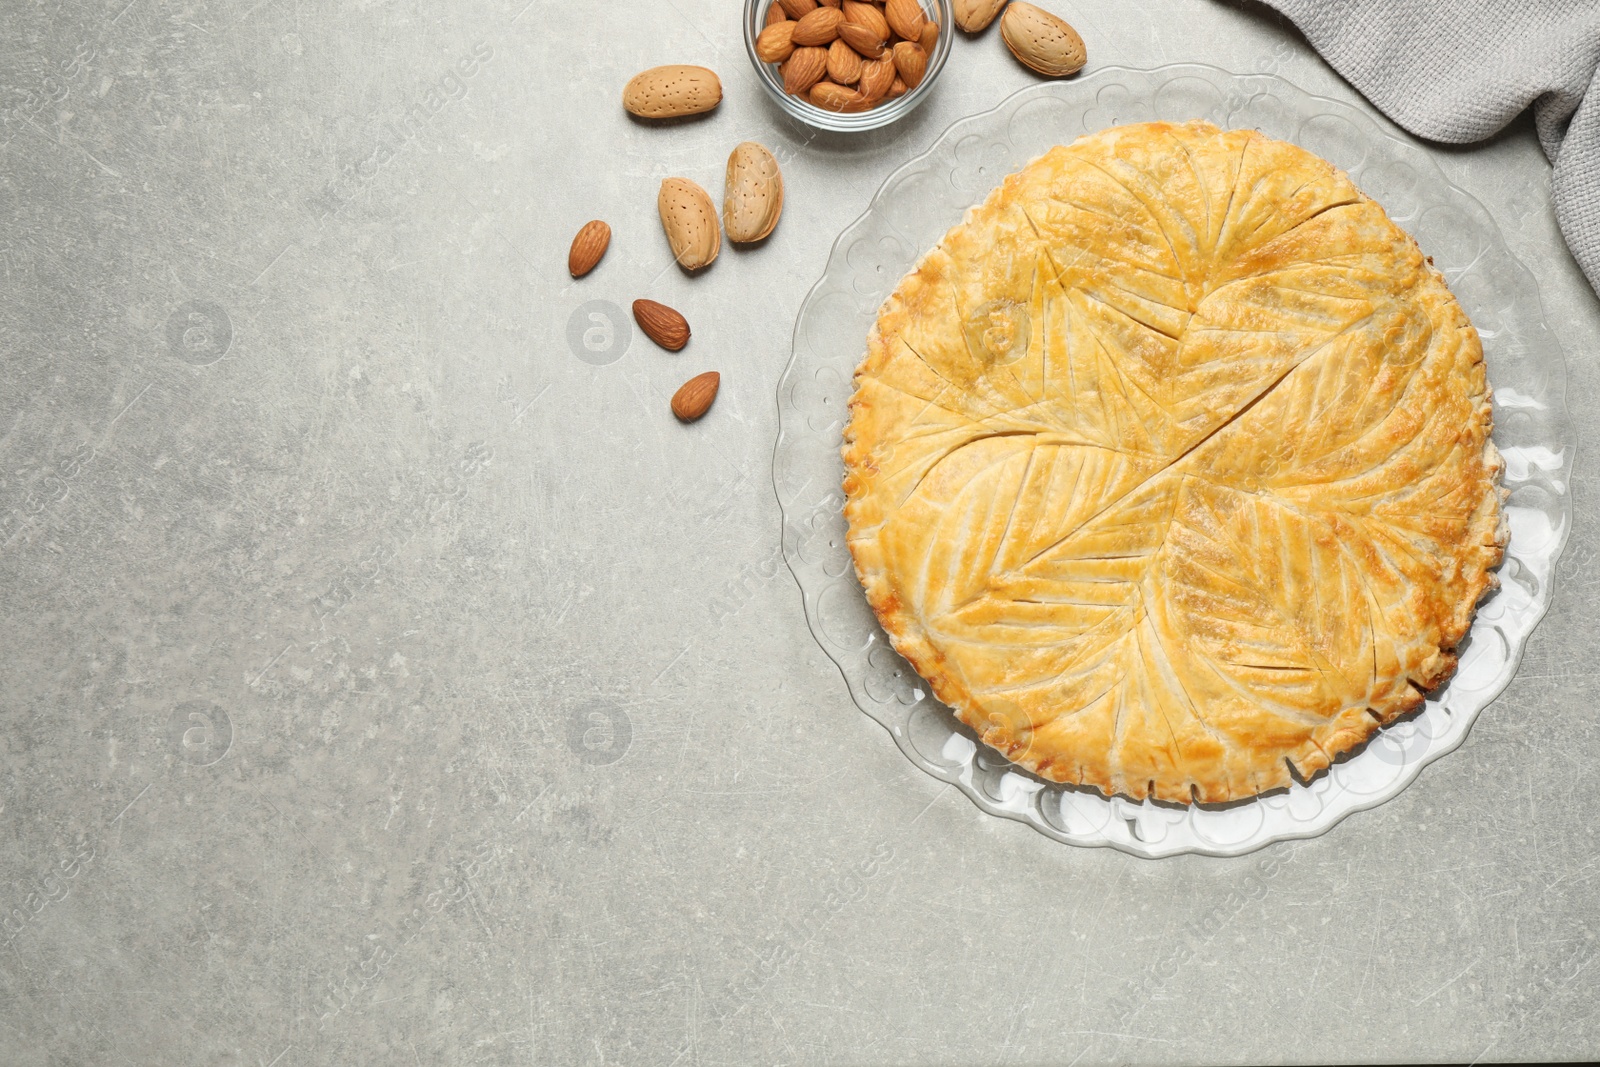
755	16
925	197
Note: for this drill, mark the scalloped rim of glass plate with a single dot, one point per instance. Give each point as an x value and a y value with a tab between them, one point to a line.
1032	816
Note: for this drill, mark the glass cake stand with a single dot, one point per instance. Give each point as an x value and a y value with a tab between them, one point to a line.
928	195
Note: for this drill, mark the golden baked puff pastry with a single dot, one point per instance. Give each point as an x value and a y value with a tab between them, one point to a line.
1169	468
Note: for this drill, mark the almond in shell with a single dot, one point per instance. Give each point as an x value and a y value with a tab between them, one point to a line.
776	43
662	324
905	18
863	39
844	63
975	15
1041	41
753	198
820	27
671	91
912	62
587	248
803	69
690	221
693	398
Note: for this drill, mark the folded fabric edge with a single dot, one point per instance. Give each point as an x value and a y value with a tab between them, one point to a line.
1403	57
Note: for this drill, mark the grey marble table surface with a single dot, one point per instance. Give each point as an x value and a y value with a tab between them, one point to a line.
381	682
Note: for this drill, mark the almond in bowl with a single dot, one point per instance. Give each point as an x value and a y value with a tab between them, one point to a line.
848	64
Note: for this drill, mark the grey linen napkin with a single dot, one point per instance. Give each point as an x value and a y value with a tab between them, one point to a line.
1458	70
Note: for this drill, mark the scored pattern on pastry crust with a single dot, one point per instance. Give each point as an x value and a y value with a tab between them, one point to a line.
1169	468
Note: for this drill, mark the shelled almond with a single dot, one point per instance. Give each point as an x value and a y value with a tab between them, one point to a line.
876	77
776	42
693	398
831	97
804	68
905	18
844	63
848	55
588	246
862	39
911	61
868	16
664	325
819	27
